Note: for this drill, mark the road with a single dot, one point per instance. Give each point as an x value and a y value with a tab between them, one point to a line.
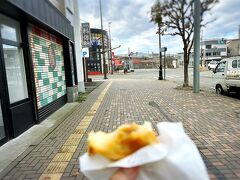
175	75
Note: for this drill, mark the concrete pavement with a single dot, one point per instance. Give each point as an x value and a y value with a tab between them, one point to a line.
212	121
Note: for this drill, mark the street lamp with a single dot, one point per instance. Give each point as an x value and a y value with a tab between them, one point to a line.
160	32
160	77
103	50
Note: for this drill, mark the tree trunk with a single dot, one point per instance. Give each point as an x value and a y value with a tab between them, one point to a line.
186	61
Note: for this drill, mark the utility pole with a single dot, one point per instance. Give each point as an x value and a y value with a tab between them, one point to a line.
103	49
196	74
110	44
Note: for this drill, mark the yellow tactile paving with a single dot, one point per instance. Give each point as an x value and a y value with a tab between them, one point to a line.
72	142
75	136
60	161
62	157
56	167
78	131
50	176
67	149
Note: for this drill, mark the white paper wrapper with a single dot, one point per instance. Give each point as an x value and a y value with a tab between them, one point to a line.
175	157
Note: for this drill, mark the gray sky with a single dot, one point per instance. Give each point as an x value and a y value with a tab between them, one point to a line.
131	26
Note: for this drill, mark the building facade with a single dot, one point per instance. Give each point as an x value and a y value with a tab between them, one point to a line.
233	47
95	60
69	8
37	64
180	59
213	50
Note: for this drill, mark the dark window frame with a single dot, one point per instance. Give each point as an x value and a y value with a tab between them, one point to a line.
233	65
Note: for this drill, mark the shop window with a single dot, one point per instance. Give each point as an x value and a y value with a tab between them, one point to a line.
15	71
13	59
8	33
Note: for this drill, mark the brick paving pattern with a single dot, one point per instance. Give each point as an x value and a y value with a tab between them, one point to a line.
212	121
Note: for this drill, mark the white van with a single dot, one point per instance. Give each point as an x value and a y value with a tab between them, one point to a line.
226	75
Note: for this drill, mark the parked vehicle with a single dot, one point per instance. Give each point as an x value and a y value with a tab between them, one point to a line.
212	65
226	75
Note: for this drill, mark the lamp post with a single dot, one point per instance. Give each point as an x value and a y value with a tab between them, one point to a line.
110	45
160	77
103	49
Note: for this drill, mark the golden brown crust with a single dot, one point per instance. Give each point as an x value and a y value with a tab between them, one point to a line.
122	142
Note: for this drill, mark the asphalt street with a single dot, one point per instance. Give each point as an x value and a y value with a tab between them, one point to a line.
175	75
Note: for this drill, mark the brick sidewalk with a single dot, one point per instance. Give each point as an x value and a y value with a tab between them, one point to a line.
212	121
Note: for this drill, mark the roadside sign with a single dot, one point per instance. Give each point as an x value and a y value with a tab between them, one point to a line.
85	52
85	35
163	49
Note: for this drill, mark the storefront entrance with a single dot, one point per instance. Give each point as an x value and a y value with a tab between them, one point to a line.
35	67
17	101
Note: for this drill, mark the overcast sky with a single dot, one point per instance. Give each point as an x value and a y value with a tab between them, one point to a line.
131	26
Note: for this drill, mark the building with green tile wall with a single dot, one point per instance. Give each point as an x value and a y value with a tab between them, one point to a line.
48	65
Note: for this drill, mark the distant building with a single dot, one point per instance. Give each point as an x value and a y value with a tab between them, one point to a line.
95	60
180	58
239	32
148	61
213	50
233	47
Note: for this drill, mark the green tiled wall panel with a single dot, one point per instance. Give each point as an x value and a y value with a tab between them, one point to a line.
36	40
49	74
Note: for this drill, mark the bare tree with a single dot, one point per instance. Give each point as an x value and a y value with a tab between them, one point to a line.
177	15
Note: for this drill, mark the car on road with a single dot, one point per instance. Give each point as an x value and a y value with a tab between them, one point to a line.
226	77
212	65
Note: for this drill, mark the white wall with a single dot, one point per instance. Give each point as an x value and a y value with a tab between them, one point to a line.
78	47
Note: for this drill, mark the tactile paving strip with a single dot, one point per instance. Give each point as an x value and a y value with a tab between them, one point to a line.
60	161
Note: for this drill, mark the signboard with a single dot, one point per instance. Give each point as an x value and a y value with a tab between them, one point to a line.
85	52
221	41
86	34
163	49
96	42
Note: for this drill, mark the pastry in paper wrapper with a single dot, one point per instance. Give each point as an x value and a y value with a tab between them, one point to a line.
124	141
174	157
